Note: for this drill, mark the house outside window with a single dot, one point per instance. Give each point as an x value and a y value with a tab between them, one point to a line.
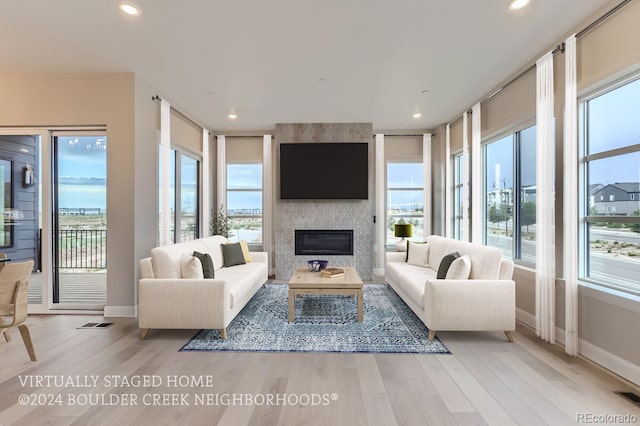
610	180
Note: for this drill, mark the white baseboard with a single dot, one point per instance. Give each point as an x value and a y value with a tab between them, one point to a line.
526	318
620	366
611	362
120	311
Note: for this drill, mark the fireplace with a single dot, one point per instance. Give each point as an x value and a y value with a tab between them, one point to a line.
324	242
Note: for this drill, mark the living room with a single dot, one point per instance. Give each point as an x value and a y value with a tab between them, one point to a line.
116	100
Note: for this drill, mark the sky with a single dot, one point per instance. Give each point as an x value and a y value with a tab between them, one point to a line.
82	171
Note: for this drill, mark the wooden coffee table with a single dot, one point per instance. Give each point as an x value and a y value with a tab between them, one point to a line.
304	281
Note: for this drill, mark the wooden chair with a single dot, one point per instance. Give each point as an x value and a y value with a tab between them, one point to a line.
14	288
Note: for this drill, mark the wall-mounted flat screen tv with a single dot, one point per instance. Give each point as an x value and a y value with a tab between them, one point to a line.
324	171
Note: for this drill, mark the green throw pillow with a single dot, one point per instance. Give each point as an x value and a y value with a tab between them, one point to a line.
232	254
445	264
207	264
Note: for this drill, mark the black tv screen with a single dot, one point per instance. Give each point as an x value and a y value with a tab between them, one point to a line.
324	171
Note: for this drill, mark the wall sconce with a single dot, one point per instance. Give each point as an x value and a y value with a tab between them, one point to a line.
28	176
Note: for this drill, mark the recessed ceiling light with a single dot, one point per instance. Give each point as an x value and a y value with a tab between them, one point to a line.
518	4
232	116
417	115
130	9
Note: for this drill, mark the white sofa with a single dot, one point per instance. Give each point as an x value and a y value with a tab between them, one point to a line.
166	300
485	301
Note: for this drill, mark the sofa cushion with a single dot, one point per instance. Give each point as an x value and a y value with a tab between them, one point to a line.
242	278
191	267
213	247
459	269
232	254
166	259
208	270
485	261
411	278
245	251
418	254
445	264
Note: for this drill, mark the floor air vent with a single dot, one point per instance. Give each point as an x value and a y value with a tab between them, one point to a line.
96	325
634	398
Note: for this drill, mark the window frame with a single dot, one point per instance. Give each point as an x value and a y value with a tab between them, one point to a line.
387	190
255	246
584	159
458	193
515	133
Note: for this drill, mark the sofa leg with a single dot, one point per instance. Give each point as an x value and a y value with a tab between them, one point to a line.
432	335
509	336
223	333
143	333
264	285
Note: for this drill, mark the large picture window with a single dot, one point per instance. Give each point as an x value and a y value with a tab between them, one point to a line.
510	195
244	202
405	189
611	187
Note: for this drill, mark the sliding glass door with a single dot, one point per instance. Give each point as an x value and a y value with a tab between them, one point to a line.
79	221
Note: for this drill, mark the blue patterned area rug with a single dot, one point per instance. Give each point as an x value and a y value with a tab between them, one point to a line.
322	324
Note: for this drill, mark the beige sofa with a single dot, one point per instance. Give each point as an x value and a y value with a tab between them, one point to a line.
166	300
484	301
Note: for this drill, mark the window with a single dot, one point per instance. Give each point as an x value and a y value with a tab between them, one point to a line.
405	189
244	202
189	218
610	166
184	177
510	195
457	196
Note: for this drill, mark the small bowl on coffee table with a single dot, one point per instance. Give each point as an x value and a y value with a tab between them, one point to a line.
317	265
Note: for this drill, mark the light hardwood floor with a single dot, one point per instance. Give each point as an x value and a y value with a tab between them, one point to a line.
486	380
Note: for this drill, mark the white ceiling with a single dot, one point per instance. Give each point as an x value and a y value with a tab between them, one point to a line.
263	59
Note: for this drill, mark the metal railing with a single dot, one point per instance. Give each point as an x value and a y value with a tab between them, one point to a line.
82	248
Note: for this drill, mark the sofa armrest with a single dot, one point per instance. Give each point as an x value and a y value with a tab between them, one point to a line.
183	303
470	304
259	256
395	256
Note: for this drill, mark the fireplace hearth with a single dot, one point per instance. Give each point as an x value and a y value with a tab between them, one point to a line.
324	242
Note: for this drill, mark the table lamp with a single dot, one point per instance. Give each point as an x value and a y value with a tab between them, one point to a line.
403	230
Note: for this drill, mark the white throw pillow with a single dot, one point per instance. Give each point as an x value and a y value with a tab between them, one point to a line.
191	267
459	269
418	254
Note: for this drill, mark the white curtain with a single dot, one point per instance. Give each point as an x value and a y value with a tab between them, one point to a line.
545	250
221	193
570	224
381	231
426	194
448	218
465	178
267	198
165	161
476	176
205	229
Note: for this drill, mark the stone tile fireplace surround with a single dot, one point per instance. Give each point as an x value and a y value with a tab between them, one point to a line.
356	215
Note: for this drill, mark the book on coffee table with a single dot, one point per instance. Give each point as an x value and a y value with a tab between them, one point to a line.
332	272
